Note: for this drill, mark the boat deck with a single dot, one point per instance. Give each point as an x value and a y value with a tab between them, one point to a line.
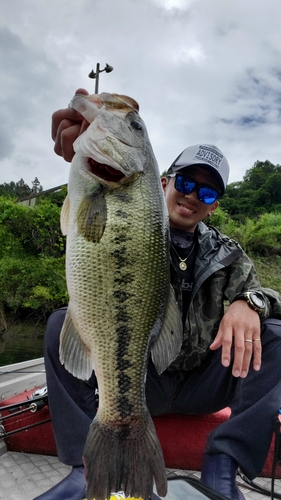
20	377
23	476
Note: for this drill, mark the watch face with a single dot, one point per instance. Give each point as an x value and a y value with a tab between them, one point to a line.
257	300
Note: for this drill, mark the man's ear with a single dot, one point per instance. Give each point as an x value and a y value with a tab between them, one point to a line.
164	182
213	208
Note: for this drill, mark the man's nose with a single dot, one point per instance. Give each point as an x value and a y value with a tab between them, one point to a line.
192	195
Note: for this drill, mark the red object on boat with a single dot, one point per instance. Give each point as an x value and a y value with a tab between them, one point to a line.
39	439
182	437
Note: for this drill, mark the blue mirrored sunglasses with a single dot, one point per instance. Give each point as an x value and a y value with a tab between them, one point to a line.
186	185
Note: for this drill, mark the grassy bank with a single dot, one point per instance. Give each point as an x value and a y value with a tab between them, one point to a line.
269	271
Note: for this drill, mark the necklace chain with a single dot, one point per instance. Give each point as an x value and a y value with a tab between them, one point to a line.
182	263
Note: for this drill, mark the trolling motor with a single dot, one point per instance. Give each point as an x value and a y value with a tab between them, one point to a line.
38	401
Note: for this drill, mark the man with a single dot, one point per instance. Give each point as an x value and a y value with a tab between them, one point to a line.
227	358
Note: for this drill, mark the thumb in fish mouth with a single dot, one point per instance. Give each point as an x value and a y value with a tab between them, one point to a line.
118	101
88	108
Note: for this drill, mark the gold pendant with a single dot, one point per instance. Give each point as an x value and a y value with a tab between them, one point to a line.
183	266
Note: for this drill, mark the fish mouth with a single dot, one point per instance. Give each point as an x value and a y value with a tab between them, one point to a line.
105	172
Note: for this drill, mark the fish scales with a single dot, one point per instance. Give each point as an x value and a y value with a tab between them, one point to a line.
127	266
117	267
129	270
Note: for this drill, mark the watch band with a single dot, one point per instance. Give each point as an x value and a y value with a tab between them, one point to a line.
250	297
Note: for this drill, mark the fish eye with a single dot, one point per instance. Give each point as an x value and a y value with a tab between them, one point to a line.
136	125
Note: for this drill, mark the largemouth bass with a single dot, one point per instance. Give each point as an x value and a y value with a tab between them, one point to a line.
121	304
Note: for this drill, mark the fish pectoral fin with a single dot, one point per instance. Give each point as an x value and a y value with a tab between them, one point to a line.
64	216
168	344
91	215
74	354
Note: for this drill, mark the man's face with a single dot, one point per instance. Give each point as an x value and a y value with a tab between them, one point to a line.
185	210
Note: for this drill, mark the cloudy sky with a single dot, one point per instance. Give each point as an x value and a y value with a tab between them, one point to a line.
202	71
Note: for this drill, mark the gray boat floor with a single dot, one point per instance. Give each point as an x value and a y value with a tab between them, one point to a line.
23	476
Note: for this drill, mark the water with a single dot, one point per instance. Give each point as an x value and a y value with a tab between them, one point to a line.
21	342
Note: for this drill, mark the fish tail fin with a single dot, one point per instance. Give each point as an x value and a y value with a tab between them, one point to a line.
124	460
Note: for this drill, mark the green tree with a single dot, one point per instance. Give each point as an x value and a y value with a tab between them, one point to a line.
259	172
36	186
30	231
259	192
22	189
32	285
15	189
32	258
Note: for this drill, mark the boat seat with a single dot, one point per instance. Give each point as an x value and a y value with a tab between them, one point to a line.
182	437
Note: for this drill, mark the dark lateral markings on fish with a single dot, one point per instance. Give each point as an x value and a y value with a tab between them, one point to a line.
121	295
121	213
121	238
125	279
117	228
122	314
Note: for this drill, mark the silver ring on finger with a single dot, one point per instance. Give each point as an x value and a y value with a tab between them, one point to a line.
249	340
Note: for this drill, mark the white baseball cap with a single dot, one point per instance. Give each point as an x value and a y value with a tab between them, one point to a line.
203	154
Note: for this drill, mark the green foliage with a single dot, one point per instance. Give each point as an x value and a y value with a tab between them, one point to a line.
32	262
56	197
258	193
258	236
269	270
264	235
30	231
261	239
36	285
32	248
19	189
36	186
259	172
218	218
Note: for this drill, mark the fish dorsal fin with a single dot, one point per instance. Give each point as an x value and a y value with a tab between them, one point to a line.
91	215
74	354
168	344
64	215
